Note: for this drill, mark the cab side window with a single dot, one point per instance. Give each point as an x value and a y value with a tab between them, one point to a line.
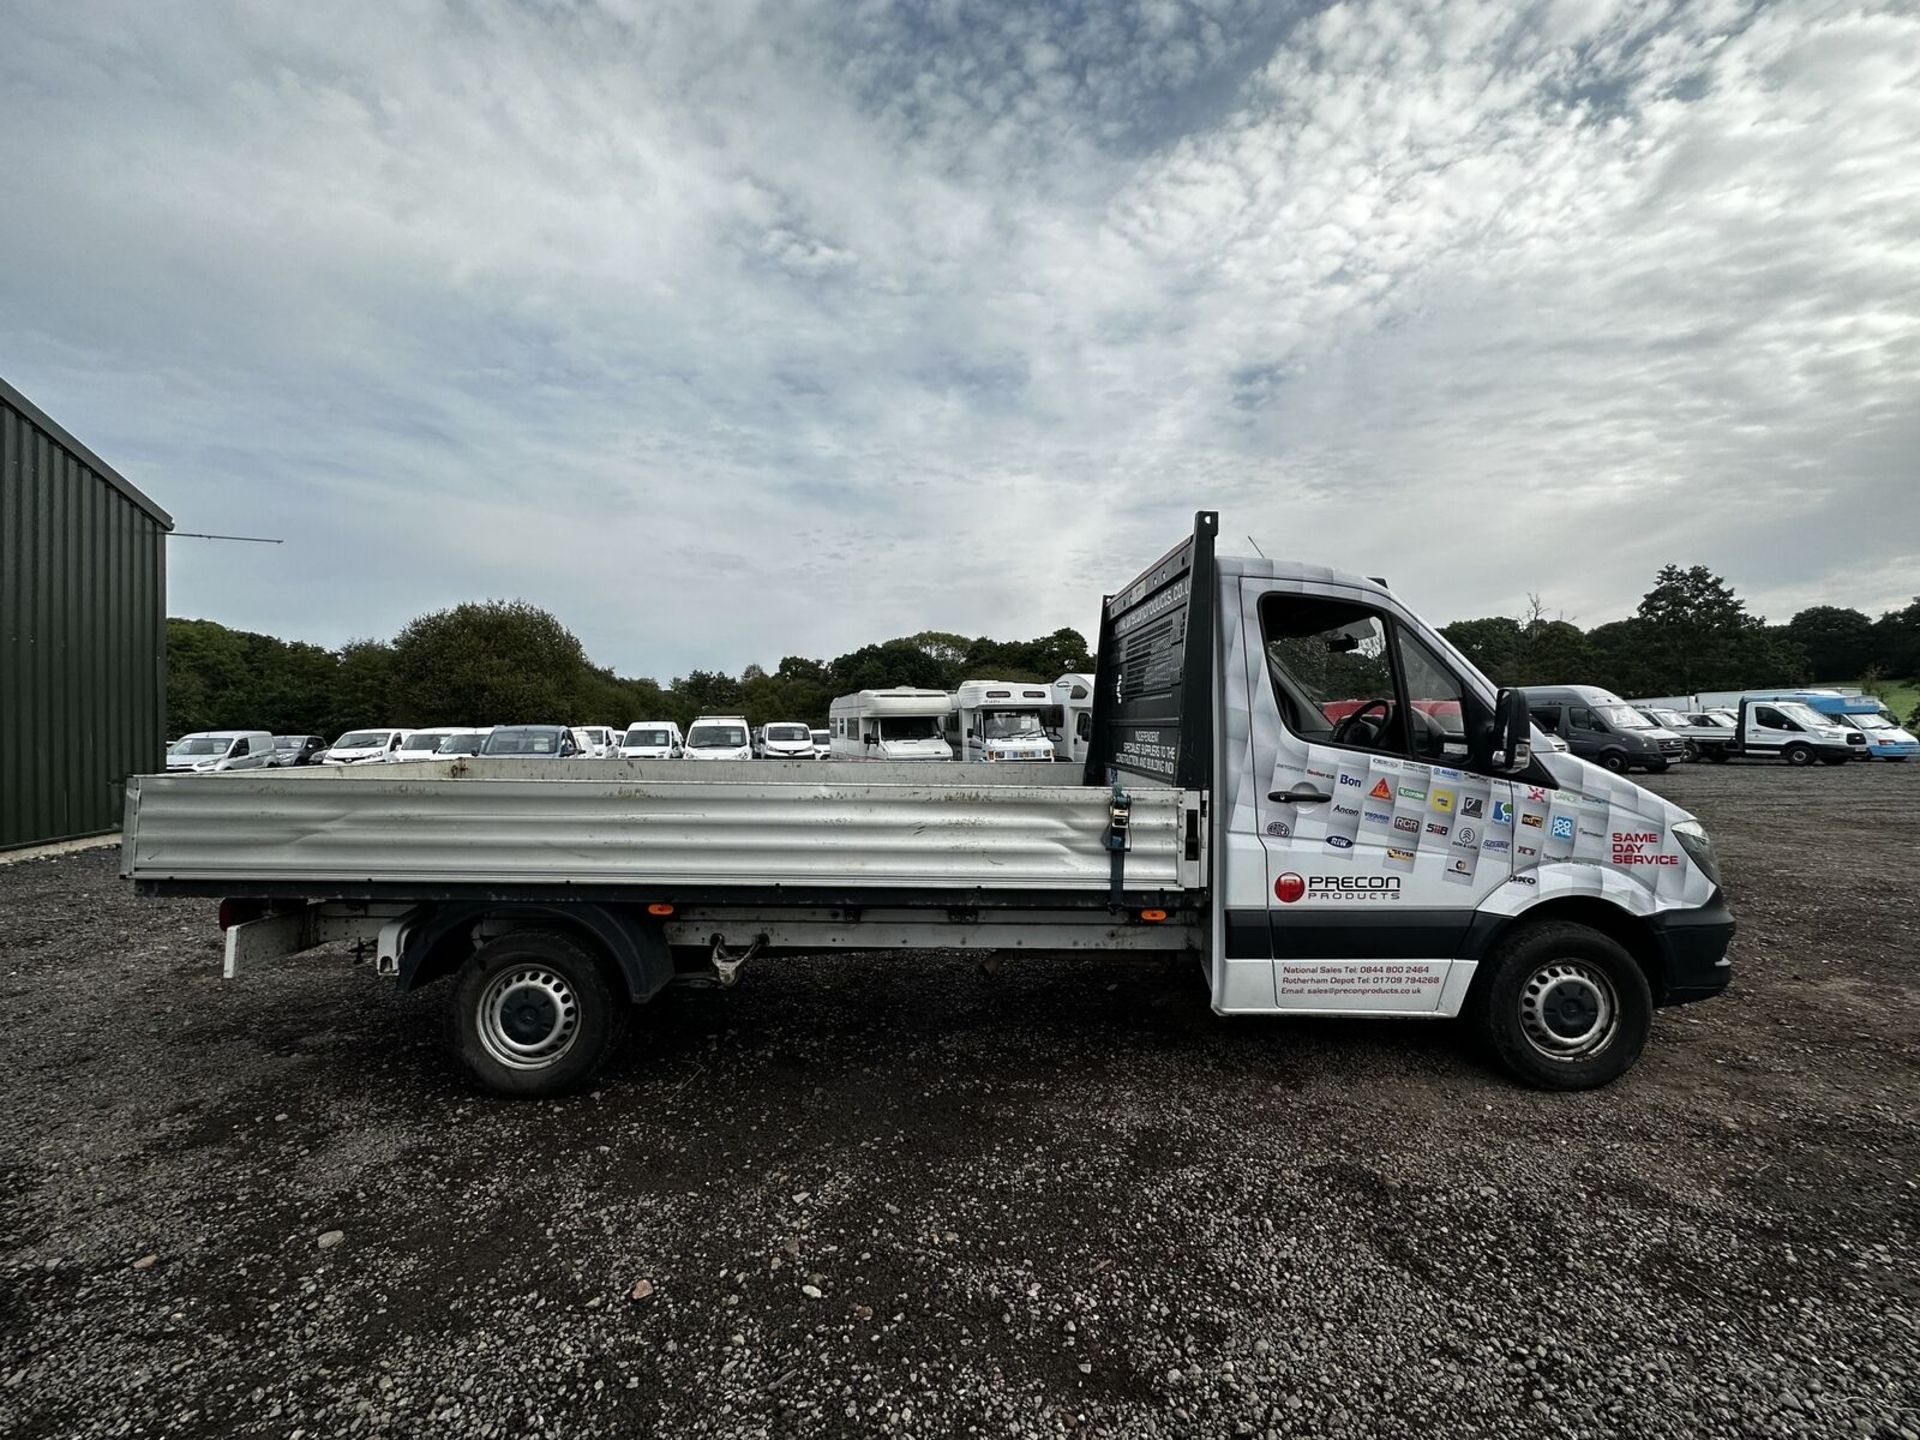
1581	718
1548	719
240	747
1345	675
1771	718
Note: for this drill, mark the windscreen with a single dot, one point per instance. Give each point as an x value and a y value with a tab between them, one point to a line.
641	737
783	733
201	745
288	742
1872	722
360	740
1623	717
521	742
1723	717
716	737
909	727
1803	714
1011	725
823	737
1672	719
467	742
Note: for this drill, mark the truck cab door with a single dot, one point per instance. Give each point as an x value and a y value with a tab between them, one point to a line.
1380	842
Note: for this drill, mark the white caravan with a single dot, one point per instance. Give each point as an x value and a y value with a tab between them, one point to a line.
1000	720
783	740
652	740
898	724
211	750
1070	717
719	737
364	747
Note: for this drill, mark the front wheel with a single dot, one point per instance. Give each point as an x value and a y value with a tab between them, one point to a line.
1614	760
1801	755
533	1016
1562	1006
1656	767
1691	750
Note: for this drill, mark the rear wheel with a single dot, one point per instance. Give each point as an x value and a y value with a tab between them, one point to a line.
1692	751
1798	754
533	1014
1718	754
1562	1006
1614	760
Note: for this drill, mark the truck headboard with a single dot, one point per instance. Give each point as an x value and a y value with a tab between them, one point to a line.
1153	688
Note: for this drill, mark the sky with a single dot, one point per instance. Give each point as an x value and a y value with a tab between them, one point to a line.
727	332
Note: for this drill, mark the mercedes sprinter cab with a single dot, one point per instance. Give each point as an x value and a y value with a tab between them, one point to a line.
898	724
652	740
364	747
1599	726
783	740
209	751
719	737
1000	720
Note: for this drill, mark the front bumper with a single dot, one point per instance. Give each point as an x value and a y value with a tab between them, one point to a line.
1693	951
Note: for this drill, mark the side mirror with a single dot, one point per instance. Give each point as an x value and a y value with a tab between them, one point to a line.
870	740
1512	749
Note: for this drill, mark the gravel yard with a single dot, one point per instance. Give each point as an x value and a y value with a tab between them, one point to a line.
872	1195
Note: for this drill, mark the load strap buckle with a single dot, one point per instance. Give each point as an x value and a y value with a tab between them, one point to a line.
1119	841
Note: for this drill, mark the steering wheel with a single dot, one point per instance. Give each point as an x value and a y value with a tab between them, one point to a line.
1343	733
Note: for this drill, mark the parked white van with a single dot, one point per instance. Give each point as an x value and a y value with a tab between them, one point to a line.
425	744
822	744
209	750
365	747
719	737
1000	720
652	740
783	740
898	724
601	742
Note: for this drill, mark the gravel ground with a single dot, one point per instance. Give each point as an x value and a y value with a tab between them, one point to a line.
876	1195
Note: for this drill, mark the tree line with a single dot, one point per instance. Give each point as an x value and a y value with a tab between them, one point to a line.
507	662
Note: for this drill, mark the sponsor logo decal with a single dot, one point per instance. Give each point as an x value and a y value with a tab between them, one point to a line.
1537	794
1471	807
1466	835
1639	847
1503	812
1497	847
1441	800
1532	821
1353	780
1525	850
1413	792
1381	791
1434	827
1563	827
1461	866
1376	817
1279	828
1406	822
1290	887
1340	809
1442	773
1591	834
1521	880
1339	842
1393	854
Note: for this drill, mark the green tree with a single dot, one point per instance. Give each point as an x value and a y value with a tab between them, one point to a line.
1896	640
704	692
491	662
1495	645
1838	641
1557	652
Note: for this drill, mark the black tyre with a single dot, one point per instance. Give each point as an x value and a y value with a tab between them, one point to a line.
1656	767
1692	751
533	1014
1798	754
1561	1006
1718	754
1614	760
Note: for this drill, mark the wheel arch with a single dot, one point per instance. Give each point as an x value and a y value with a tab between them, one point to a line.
634	950
1632	933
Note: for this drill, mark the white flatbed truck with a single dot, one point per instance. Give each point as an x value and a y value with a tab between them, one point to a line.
1384	863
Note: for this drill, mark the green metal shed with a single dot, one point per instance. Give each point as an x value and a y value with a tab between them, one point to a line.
83	632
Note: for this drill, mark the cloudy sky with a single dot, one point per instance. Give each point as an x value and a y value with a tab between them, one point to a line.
727	332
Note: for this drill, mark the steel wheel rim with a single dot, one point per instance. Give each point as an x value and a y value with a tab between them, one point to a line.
528	1017
1568	1010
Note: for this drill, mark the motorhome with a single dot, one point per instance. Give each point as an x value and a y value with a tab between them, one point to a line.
898	724
208	751
1305	866
783	740
1000	720
1070	717
652	740
718	737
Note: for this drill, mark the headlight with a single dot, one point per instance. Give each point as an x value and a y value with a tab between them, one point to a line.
1693	839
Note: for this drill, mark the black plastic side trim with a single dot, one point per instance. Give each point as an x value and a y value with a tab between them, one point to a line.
1373	933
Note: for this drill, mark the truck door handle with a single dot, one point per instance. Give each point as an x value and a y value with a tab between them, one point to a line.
1301	794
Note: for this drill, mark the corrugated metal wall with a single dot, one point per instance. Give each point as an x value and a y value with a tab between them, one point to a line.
83	632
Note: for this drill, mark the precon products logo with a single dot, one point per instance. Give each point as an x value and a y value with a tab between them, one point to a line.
1346	889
